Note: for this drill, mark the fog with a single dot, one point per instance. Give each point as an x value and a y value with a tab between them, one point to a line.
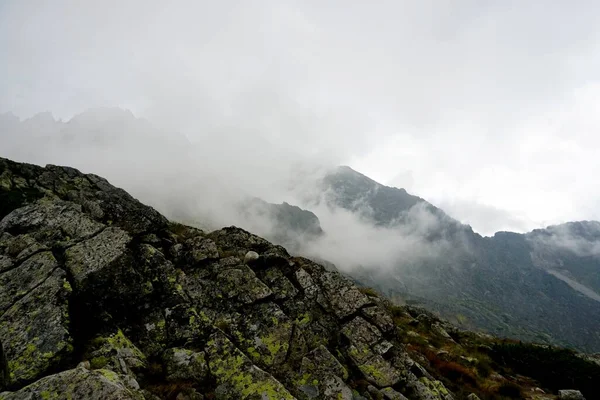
580	238
487	109
195	184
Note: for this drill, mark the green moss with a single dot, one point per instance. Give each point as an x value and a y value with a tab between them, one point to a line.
98	362
47	395
67	286
148	288
110	375
255	355
303	319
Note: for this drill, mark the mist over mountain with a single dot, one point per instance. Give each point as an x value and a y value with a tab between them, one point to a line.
539	286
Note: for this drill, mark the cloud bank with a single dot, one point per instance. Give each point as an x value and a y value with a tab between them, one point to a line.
479	104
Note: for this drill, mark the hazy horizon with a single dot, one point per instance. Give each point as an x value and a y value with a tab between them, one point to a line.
278	198
487	110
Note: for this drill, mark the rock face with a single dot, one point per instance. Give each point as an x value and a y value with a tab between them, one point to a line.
102	297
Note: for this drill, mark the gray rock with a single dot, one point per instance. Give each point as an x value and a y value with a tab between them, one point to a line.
19	281
18	248
35	330
280	285
391	394
379	317
321	360
242	283
342	296
570	394
323	374
378	371
334	388
96	254
201	249
186	365
78	383
251	257
473	396
192	309
266	334
52	221
237	377
306	283
117	353
362	336
427	389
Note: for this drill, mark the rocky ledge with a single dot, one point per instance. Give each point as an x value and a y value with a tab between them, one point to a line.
101	297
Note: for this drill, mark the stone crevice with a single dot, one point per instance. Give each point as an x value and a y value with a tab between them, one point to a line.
20	296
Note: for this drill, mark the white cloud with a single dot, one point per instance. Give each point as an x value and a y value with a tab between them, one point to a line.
487	105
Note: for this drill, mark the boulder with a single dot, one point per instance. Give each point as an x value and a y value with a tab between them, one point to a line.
185	365
237	377
251	257
570	394
34	331
78	383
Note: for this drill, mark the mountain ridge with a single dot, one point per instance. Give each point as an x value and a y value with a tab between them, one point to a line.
104	298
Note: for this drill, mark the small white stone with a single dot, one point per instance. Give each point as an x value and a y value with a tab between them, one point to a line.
250	257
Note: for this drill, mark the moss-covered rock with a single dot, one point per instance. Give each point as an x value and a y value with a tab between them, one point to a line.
185	365
35	330
19	281
117	353
265	334
321	375
96	254
78	383
237	376
241	283
195	320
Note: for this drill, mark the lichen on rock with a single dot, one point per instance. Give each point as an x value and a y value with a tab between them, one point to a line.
149	309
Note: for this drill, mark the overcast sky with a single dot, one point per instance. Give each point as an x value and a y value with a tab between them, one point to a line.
488	109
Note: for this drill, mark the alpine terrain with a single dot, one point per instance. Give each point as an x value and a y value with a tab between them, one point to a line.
103	298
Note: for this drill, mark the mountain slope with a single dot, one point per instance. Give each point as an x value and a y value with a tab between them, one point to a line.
542	286
102	297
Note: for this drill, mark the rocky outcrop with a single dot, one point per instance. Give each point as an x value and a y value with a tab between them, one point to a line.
570	395
102	297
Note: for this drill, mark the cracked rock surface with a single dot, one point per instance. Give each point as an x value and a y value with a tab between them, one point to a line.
101	297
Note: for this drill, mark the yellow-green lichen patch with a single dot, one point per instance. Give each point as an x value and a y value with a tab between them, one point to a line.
231	367
67	286
34	330
98	362
32	361
110	375
436	388
379	371
114	352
